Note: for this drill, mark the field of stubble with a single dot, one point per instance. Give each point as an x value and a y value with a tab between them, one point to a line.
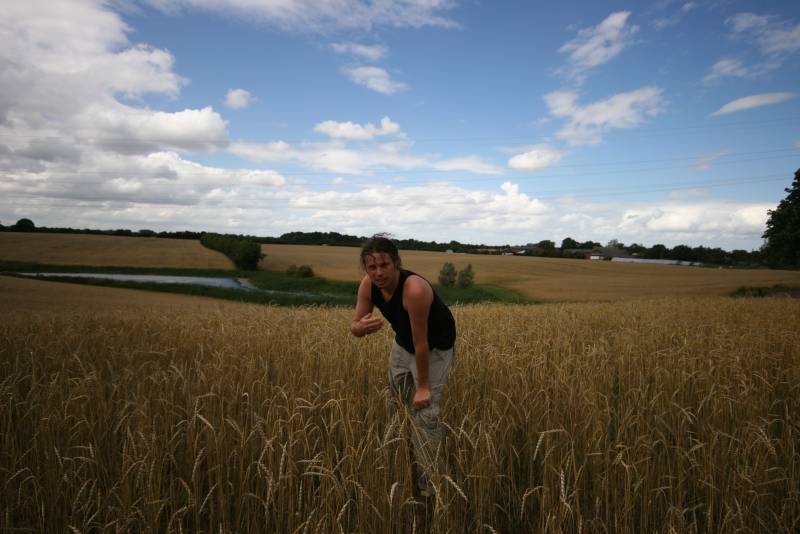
670	415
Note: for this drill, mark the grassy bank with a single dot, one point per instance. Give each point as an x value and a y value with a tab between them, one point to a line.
279	288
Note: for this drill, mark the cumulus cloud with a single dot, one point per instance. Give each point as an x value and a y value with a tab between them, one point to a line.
74	150
410	210
679	221
159	178
326	15
374	78
586	124
535	158
753	101
353	131
368	52
599	44
62	66
238	98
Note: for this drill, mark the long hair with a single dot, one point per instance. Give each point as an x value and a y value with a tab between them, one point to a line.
380	244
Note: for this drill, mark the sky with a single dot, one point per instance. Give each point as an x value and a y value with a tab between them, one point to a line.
483	122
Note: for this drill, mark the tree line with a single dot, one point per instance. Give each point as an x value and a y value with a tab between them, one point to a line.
781	246
244	253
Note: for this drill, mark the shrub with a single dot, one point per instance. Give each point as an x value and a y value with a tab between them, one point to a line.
466	277
244	253
447	276
303	271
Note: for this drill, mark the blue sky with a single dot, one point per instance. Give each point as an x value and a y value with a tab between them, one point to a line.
485	122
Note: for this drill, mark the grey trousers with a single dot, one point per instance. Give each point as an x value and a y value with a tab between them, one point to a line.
426	433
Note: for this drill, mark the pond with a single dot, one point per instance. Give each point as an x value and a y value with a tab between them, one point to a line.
230	283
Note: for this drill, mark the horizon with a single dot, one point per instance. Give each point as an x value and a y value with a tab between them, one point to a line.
671	122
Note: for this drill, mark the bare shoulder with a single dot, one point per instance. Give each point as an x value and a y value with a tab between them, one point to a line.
365	286
417	289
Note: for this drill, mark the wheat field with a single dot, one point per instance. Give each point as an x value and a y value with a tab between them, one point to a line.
662	415
107	250
548	279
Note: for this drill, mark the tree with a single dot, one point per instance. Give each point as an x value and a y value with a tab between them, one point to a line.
782	248
447	276
24	225
466	277
568	242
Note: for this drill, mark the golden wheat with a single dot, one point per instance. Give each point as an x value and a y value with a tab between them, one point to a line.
107	250
669	415
550	279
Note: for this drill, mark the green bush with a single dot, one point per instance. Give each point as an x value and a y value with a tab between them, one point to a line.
244	253
304	271
466	277
447	276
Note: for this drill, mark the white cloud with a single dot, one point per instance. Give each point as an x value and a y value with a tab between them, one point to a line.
368	52
353	131
126	129
331	156
158	178
797	144
727	67
467	163
410	210
676	221
599	44
743	22
695	192
703	163
753	101
62	67
587	124
374	78
238	98
535	158
776	40
671	20
325	15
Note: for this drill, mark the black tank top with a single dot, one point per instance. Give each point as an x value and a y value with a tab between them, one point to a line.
441	325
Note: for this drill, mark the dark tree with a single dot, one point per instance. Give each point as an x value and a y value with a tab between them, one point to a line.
782	248
466	277
568	242
657	252
24	225
447	276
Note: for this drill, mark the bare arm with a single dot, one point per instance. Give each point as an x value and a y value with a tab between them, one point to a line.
363	323
417	298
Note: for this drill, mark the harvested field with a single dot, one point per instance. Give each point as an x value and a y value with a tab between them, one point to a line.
551	279
25	295
104	250
658	416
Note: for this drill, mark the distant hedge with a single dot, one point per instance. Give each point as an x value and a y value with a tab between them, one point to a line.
244	253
